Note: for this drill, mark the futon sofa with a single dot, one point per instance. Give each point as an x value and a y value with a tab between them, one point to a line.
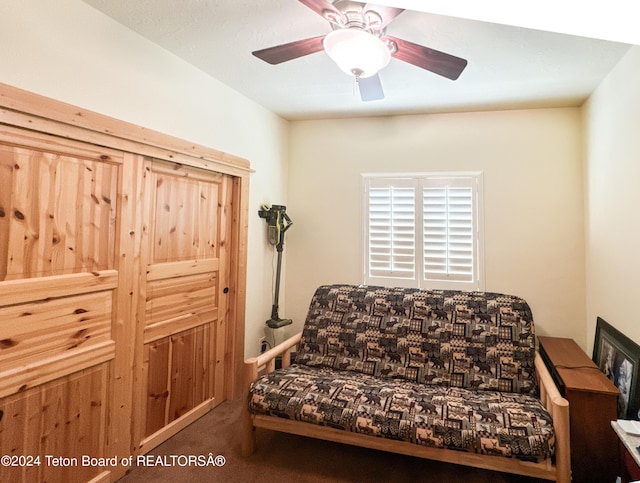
446	375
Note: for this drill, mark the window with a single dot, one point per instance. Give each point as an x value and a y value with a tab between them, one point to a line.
423	230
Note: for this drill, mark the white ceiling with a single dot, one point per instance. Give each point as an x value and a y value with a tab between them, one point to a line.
508	66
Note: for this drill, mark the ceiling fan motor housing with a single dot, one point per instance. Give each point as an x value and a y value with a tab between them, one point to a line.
351	15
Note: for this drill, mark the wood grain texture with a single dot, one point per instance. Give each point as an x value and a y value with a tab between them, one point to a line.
237	283
183	377
223	335
53	327
29	290
185	219
59	145
60	418
58	214
47	369
147	444
51	116
157	364
188	218
127	300
58	274
593	400
82	291
176	377
161	271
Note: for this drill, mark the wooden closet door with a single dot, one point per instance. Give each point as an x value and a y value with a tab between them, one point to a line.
60	202
116	325
185	292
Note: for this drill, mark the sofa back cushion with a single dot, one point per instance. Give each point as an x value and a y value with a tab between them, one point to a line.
474	340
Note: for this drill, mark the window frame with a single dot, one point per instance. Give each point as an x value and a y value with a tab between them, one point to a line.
420	181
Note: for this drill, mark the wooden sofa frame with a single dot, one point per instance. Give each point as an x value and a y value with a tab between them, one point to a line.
557	406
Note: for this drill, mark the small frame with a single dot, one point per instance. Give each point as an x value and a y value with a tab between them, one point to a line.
619	358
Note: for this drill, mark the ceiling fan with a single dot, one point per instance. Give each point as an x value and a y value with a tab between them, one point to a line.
358	43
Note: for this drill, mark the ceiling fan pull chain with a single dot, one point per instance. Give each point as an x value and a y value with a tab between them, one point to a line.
357	73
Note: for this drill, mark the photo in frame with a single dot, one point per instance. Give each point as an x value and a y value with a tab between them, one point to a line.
618	357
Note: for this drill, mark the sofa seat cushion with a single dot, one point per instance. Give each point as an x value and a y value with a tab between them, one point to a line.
486	422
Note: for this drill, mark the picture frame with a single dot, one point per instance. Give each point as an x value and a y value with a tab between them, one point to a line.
618	357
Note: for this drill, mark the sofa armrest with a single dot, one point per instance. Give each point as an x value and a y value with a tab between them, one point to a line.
268	359
252	367
558	407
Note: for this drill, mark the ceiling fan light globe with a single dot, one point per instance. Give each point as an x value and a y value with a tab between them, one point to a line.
357	51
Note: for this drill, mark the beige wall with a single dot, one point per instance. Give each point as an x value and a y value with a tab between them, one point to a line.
71	52
533	200
612	199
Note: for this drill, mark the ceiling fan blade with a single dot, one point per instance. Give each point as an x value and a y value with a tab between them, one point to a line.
290	51
446	65
321	7
386	13
370	88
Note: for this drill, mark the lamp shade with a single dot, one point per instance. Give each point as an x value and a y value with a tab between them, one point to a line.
357	52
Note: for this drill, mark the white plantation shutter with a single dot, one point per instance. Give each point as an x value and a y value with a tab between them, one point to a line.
449	231
391	245
423	231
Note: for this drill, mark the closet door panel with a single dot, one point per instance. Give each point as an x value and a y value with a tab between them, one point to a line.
58	214
180	302
58	423
186	217
156	364
184	291
59	204
122	287
176	366
52	327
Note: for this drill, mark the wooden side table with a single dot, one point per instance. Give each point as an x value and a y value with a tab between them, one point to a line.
592	406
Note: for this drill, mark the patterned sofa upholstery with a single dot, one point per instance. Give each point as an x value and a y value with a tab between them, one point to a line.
443	369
